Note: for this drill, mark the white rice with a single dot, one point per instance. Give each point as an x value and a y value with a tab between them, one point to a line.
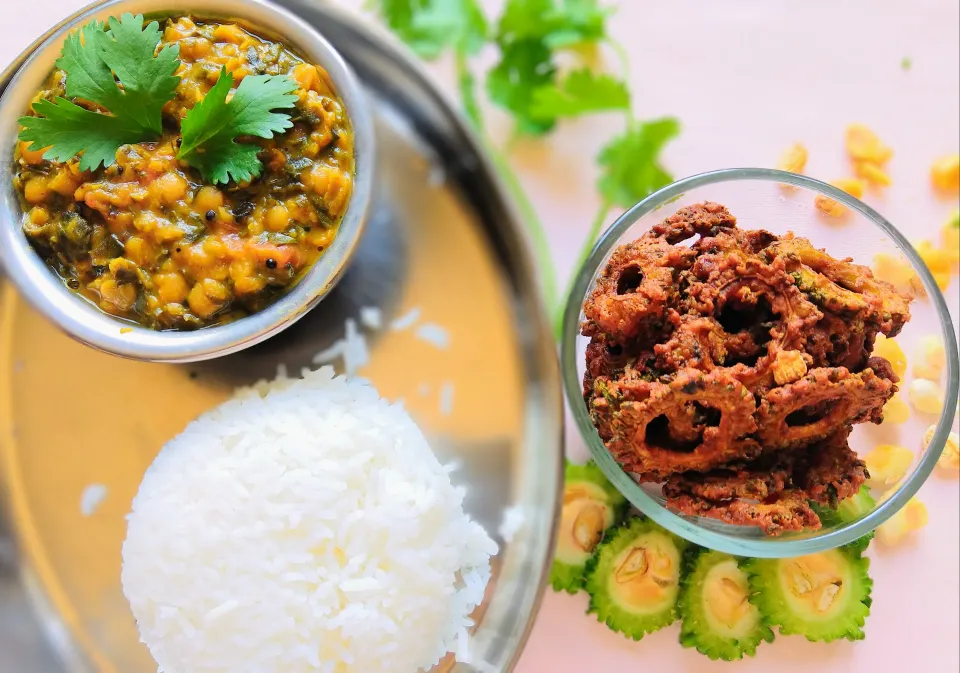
352	349
434	334
371	317
356	355
406	321
331	354
91	499
303	526
446	398
512	523
437	177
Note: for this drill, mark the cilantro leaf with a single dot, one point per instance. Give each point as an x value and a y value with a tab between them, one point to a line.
529	33
209	130
116	70
557	25
630	163
524	20
580	92
148	81
462	24
400	16
431	26
524	67
578	22
88	77
68	130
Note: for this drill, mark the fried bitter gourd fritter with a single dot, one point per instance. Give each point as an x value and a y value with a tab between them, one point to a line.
718	618
843	287
730	365
634	578
779	492
702	414
591	506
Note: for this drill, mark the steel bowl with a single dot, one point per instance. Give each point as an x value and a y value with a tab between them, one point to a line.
85	322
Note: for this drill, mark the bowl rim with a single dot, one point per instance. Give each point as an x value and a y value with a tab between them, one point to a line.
767	547
87	323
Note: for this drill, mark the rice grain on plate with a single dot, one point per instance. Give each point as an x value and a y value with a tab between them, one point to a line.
435	335
92	497
304	525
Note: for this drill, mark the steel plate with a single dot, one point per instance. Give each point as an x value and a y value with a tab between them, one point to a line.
444	240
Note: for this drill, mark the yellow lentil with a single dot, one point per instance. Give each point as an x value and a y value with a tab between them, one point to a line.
147	240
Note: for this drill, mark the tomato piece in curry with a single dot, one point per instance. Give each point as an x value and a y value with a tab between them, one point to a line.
146	240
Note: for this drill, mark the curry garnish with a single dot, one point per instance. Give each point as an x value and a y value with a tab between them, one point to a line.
209	129
118	72
184	174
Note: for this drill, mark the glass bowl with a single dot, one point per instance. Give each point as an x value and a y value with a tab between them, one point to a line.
779	202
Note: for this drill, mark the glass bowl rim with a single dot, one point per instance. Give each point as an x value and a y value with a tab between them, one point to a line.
769	547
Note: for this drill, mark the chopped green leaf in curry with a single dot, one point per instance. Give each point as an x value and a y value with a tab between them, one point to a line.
183	176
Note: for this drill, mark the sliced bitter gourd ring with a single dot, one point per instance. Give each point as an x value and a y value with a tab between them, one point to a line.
857	506
634	579
718	617
823	596
591	506
847	511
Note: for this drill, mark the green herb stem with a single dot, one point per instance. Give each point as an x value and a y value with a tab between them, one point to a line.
535	228
467	84
624	59
585	249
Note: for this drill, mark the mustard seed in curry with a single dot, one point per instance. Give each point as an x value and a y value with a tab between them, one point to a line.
148	237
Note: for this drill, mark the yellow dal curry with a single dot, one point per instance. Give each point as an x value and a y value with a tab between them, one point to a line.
146	240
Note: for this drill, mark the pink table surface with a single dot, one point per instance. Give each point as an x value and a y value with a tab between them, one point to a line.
746	79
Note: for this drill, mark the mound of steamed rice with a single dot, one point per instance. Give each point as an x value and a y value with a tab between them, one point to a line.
304	525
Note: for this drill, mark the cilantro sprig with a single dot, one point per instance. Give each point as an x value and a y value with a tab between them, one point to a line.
533	40
530	36
431	26
209	130
117	71
630	168
581	92
123	80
